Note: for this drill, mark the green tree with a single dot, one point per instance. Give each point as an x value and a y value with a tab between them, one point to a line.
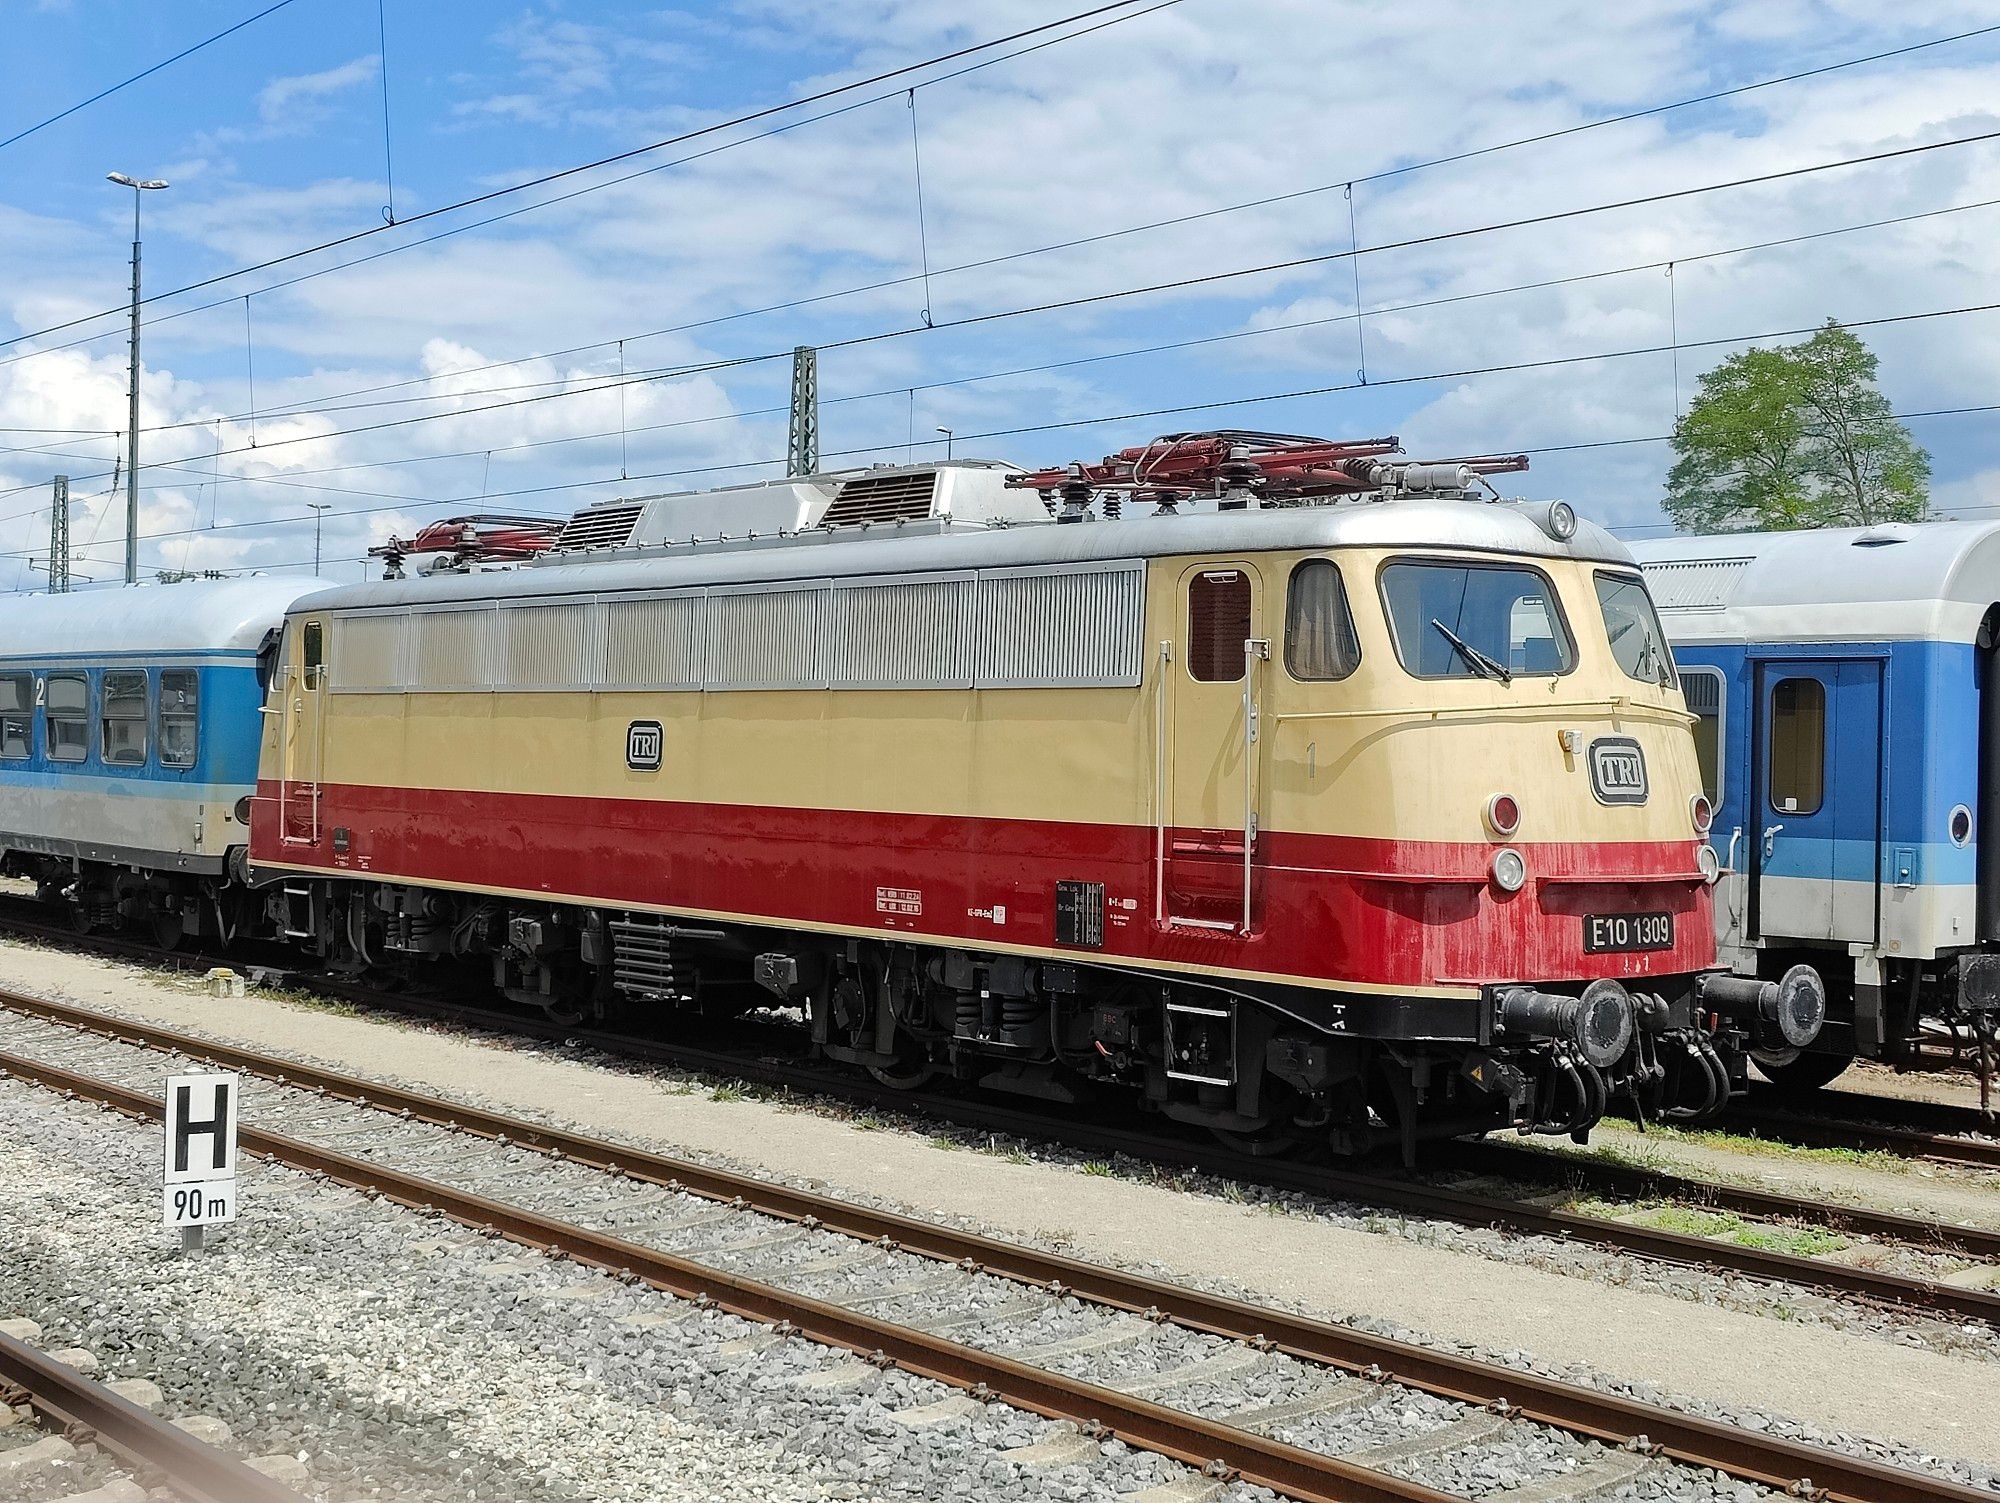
1797	436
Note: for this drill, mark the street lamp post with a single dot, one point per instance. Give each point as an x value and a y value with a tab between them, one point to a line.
317	508
947	441
138	186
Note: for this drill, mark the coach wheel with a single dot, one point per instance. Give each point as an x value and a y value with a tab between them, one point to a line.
1799	1071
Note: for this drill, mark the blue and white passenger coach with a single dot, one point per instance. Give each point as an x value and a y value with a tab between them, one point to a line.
1847	685
129	731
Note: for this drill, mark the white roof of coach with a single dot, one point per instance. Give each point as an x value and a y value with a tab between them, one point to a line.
1898	581
192	616
1496	527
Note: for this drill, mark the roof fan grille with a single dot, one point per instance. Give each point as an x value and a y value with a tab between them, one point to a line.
882	498
600	527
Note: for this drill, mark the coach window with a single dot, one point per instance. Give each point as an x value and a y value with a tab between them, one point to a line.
66	710
17	716
123	712
1703	688
1319	629
179	715
1218	625
1798	745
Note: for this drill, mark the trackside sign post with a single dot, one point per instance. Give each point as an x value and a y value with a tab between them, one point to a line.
199	1187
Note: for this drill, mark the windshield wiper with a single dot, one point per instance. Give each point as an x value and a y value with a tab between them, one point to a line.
1476	660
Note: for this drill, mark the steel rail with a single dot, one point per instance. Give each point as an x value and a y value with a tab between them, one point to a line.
1903	1142
1601	1176
83	1409
1767	1460
1442	1203
1217	1449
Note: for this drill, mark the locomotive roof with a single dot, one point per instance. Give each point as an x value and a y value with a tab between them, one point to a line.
1896	581
1495	527
217	615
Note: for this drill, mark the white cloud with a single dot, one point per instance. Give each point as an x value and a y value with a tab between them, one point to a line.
284	100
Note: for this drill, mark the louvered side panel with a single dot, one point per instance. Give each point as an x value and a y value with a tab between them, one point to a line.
552	647
654	642
1078	627
366	654
453	649
1693	584
900	634
766	638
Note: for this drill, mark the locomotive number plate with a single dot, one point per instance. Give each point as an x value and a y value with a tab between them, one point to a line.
1612	933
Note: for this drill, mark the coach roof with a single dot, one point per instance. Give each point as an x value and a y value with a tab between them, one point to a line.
150	620
1493	527
1895	581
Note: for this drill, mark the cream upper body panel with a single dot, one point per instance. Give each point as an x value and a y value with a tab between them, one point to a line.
1377	754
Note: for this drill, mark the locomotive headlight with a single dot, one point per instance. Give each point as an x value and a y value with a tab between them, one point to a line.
1503	814
1705	858
1561	521
243	810
1701	812
1510	871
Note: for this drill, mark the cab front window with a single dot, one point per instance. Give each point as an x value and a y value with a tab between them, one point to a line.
1636	639
1497	621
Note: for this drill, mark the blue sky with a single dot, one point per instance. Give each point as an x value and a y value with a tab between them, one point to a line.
273	139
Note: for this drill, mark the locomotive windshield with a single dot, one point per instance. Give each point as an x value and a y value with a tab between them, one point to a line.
1636	639
1494	621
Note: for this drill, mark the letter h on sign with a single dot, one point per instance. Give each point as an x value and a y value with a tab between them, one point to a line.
201	1127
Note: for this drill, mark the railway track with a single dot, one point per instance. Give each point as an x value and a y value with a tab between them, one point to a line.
76	1410
1952	1255
1117	1354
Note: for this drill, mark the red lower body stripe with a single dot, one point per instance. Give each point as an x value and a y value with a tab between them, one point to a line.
1326	910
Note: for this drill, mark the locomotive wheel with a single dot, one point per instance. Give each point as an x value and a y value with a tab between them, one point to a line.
1266	1143
904	1075
163	927
1799	1072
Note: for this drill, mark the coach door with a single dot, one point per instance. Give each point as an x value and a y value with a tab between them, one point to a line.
1815	848
1213	680
304	735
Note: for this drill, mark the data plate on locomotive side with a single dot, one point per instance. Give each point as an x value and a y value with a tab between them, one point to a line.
1616	933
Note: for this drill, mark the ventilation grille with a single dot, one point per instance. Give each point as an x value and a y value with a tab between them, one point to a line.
1703	688
600	527
1693	584
883	498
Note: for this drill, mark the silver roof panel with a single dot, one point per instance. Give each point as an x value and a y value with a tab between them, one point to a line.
1495	527
193	616
1930	581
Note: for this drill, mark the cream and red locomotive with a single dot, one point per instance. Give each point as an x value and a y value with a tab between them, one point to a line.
1331	800
1327	801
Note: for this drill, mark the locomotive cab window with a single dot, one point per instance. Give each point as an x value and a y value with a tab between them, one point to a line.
1494	621
17	716
1319	629
1798	745
1637	642
1218	625
312	652
179	716
66	711
123	712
